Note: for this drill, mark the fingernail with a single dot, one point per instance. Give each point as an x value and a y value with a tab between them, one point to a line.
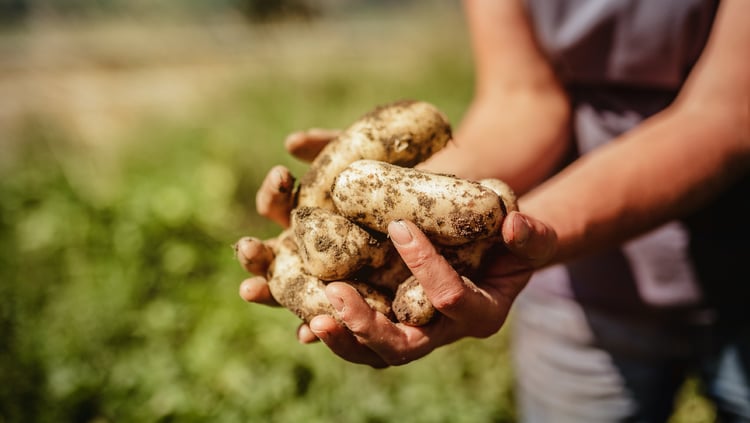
399	232
520	230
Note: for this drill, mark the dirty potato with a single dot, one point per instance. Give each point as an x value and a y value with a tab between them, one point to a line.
451	211
333	247
304	294
403	133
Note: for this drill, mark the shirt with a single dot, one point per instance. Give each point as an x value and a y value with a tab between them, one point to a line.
622	61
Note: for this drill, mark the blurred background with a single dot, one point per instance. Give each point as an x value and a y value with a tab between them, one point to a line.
133	136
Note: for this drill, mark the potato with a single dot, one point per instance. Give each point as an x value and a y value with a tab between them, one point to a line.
403	133
304	294
376	299
411	305
388	276
504	191
291	286
451	211
333	247
467	258
323	245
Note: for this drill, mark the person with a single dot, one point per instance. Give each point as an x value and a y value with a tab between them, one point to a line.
624	126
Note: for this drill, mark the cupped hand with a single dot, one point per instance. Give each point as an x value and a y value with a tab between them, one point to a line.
466	309
368	337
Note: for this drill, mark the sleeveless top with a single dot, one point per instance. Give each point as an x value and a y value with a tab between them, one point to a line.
621	61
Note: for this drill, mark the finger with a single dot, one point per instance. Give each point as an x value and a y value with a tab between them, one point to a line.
445	289
306	145
253	254
255	290
343	343
529	239
394	344
305	335
275	197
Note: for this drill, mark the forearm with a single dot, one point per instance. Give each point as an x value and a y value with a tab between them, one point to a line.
519	138
506	51
517	125
672	164
676	162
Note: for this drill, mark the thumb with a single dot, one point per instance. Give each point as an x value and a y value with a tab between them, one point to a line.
530	239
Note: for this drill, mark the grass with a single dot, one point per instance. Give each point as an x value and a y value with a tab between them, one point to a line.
118	286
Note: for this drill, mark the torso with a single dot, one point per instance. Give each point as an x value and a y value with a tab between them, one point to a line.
622	61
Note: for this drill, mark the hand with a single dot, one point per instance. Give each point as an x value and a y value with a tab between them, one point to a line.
274	200
369	337
466	310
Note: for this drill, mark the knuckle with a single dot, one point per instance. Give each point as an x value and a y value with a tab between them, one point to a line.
449	300
358	329
420	259
357	326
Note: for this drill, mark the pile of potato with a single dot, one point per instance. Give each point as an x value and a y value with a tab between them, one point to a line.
357	185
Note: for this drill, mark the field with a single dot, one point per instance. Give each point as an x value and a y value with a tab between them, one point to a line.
132	150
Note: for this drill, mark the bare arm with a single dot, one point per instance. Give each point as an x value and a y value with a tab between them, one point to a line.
675	162
519	109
